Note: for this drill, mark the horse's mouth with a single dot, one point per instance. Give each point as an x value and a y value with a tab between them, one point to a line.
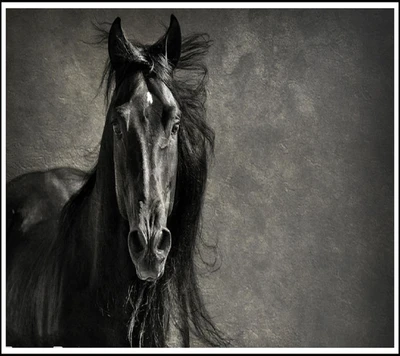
149	276
149	279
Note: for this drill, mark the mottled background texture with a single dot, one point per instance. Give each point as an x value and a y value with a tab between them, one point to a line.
300	194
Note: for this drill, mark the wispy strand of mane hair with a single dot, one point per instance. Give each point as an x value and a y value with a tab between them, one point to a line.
150	303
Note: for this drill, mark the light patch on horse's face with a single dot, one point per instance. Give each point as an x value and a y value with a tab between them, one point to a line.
149	98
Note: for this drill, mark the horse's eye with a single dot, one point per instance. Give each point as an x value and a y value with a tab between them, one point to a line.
117	129
175	128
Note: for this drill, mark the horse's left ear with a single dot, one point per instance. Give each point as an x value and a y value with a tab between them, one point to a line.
170	43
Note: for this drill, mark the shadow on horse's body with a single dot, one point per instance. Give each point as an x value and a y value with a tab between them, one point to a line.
35	200
106	258
38	196
34	204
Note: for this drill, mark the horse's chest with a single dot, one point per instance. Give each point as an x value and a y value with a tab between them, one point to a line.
88	327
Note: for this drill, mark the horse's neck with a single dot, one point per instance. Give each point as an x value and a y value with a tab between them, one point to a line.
103	235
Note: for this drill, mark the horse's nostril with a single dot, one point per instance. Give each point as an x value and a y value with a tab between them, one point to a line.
136	243
164	243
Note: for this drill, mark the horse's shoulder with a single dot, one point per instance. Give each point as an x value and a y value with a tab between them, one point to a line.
37	196
62	183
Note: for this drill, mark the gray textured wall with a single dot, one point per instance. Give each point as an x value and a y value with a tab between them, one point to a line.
301	191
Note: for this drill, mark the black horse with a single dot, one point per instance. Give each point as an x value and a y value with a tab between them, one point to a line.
106	258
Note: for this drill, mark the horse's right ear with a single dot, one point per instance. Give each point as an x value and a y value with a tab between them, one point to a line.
117	44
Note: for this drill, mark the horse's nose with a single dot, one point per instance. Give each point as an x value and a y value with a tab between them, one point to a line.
162	243
137	244
149	257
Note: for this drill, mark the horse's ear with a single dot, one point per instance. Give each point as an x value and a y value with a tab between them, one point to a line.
170	44
173	41
117	44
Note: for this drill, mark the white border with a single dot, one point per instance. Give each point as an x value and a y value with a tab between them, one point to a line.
211	350
199	5
3	175
396	177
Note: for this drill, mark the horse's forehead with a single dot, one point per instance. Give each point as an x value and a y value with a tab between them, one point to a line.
144	110
150	99
154	96
161	91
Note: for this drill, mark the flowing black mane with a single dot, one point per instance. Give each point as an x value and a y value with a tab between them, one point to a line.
89	229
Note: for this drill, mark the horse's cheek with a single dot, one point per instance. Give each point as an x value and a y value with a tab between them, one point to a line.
119	186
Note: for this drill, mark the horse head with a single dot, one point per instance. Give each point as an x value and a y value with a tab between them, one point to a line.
145	117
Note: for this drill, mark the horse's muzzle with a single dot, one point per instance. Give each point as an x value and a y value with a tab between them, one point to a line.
149	254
